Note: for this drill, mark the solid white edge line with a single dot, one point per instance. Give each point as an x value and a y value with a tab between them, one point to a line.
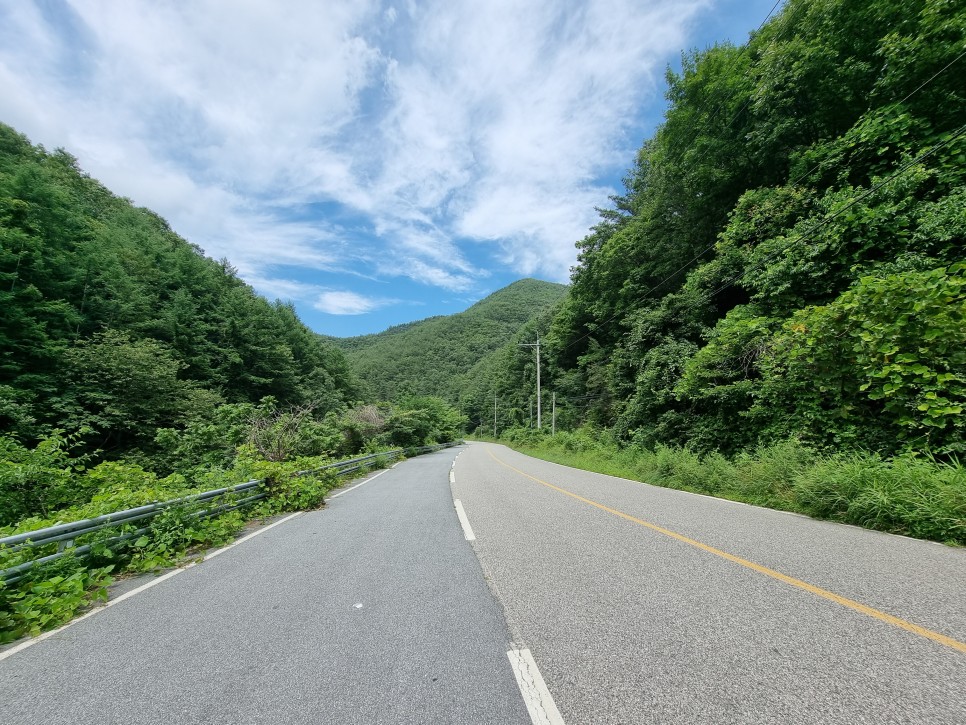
464	522
371	478
543	710
252	535
137	590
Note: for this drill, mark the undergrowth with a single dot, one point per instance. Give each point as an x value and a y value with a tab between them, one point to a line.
915	496
51	594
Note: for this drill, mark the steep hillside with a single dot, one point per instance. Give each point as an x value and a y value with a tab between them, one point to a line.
115	326
432	356
787	258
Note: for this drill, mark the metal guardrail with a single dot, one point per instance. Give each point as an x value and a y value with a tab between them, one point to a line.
64	534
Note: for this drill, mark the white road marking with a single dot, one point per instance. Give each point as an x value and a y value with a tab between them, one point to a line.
137	590
372	478
243	539
464	522
452	477
543	710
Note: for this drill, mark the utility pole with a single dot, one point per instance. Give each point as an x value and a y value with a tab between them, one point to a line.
537	346
553	430
494	416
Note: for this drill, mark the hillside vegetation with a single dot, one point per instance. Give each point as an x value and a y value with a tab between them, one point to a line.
133	369
774	310
434	356
124	349
115	324
786	259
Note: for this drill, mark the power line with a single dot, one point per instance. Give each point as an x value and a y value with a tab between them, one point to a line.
909	95
805	236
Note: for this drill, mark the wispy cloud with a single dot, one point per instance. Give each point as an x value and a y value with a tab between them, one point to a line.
344	302
443	128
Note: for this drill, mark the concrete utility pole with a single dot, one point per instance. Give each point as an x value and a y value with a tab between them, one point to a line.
537	346
494	416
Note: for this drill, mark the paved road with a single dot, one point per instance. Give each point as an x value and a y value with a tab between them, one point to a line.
373	610
635	614
639	604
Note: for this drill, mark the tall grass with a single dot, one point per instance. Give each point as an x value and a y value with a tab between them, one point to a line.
914	496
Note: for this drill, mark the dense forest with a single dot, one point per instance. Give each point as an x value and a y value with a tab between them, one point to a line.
786	259
121	342
436	356
113	323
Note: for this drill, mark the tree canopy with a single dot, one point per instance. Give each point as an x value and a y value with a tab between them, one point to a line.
115	325
785	257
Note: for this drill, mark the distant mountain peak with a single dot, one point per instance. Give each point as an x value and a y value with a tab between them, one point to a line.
427	357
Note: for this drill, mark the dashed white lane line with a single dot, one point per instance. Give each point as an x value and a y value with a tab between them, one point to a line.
127	595
464	522
543	710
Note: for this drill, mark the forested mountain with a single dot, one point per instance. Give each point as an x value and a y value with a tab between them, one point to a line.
433	356
786	258
115	326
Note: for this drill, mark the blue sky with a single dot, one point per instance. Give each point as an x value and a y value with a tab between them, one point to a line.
373	162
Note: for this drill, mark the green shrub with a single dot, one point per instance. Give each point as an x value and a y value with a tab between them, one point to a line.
919	497
49	596
906	495
38	480
885	362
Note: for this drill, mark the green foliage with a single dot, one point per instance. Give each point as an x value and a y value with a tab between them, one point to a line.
38	480
177	530
889	355
433	357
720	380
48	597
907	495
774	265
113	322
423	420
291	485
121	387
279	435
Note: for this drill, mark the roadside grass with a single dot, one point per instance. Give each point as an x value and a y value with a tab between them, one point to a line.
910	495
51	594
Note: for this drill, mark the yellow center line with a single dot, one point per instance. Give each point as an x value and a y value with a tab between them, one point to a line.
818	591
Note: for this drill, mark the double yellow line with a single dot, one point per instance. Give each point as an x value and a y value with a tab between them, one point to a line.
818	591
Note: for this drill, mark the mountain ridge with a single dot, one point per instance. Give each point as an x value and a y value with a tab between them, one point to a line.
430	356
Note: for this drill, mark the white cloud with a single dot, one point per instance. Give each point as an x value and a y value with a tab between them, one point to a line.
442	128
344	302
288	290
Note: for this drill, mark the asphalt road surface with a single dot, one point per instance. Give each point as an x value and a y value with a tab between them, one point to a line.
372	610
648	605
399	604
